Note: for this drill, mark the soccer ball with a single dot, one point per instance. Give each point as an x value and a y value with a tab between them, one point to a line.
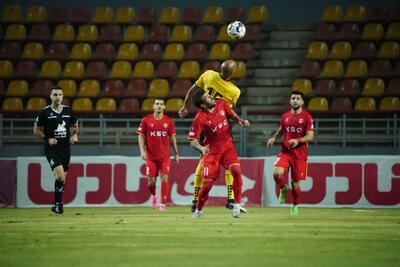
236	30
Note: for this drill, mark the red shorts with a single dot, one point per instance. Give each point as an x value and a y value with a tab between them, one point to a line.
211	162
153	167
298	168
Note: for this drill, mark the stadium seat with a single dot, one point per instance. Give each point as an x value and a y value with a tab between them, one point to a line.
41	88
106	104
378	13
223	36
127	51
10	50
17	88
69	87
169	15
380	68
12	104
147	105
147	15
95	69
173	104
110	33
389	50
257	14
220	51
317	51
309	69
144	69
393	87
349	32
166	69
121	69
365	50
355	13
356	69
189	70
396	72
325	88
253	33
81	15
158	88
372	31
196	51
374	87
235	13
87	33
113	88
332	13
58	14
191	15
204	33
129	105
124	15
58	51
158	33
241	70
36	104
40	32
393	31
389	104
26	69
15	32
82	104
11	14
74	69
174	51
2	90
136	88
134	33
212	65
341	105
365	104
348	87
340	50
105	51
6	68
180	87
302	85
66	102
181	33
103	15
64	33
213	15
396	13
318	104
332	69
151	51
81	51
325	32
36	14
89	88
243	51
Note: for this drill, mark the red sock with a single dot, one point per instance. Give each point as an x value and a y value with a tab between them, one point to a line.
203	194
296	195
152	189
237	182
164	192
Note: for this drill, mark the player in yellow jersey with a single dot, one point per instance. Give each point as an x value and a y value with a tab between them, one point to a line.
219	86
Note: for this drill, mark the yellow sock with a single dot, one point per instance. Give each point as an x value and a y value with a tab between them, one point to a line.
229	182
198	182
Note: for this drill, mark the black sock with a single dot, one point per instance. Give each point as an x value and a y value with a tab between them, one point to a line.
58	190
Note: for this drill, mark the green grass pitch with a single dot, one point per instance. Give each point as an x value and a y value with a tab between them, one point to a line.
140	236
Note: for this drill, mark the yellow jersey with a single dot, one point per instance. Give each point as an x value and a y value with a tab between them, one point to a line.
212	83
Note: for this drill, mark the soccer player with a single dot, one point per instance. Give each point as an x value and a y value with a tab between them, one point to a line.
157	131
217	149
296	127
219	86
53	127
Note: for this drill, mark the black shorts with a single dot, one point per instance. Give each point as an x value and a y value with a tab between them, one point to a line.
57	156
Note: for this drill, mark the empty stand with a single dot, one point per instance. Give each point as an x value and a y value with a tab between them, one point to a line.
74	69
15	32
341	105
389	50
243	51
318	104
213	15
257	14
11	13
87	33
69	87
136	88
355	13
134	33
26	69
372	31
103	15
110	33
36	104
144	69
180	87
317	51
181	33
196	51
349	32
10	50
332	69
393	87
64	33
340	50
169	15
147	105
220	51
82	104
325	32
380	68
81	15
41	88
241	70
129	105
253	32
302	85
191	15
6	68
326	87
106	104
166	69
127	51
174	51
223	36
189	69
12	104
389	103
40	32
356	69
365	104
58	51
173	104
374	87
36	14
378	13
125	15
113	88
365	50
309	69
147	15
348	87
17	88
393	31
95	69
105	51
235	13
33	51
81	51
58	14
151	51
158	88
89	88
204	33
332	13
121	69
158	33
212	65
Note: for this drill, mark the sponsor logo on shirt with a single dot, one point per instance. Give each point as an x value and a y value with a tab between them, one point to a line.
219	126
165	125
292	129
158	133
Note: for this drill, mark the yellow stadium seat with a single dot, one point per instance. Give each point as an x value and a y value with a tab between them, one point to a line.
332	69
50	69
13	104
174	52
15	32
355	13
17	88
82	104
6	68
372	31
11	13
374	87
33	51
147	105
81	51
144	69
389	50
318	104
158	88
36	104
169	15
317	50
87	33
173	104
365	104
257	14
356	69
302	85
36	14
220	51
189	69
241	70
213	15
341	50
74	69
127	51
134	33
68	86
390	104
223	35
64	33
103	14
106	104
121	69
181	33
89	88
332	13
393	31
124	15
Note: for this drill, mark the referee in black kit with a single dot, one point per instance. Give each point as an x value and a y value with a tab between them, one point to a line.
53	126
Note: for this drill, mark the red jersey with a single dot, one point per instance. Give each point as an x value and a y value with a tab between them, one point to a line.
296	126
213	125
157	133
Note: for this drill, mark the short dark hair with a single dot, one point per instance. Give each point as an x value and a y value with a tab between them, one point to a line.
158	98
297	93
197	98
55	87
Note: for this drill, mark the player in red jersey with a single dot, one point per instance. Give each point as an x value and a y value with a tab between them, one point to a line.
158	132
296	127
211	121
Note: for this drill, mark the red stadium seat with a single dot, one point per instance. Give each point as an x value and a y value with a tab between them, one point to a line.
396	72
129	105
348	87
180	88
212	65
341	105
58	51
136	88
166	69
110	33
196	51
41	88
150	51
191	15
81	15
158	33
204	33
394	87
105	51
380	68
325	88
365	50
349	32
378	14
253	32
10	50
96	69
40	32
243	51
147	15
58	14
236	13
113	88
26	69
309	69
325	32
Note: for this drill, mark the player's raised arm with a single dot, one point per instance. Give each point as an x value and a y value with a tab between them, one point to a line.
183	111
